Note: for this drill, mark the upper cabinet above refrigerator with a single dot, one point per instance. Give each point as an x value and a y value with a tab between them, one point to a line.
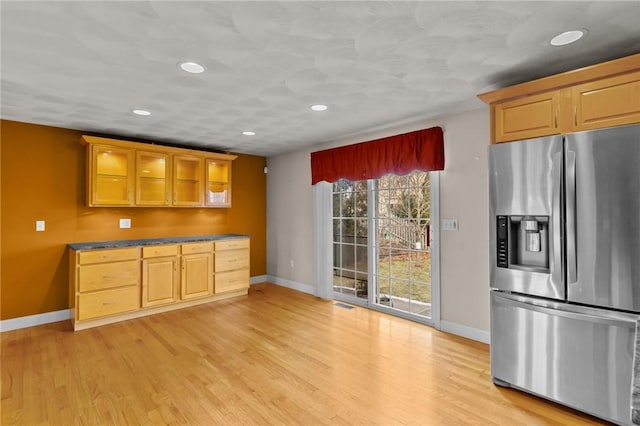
598	96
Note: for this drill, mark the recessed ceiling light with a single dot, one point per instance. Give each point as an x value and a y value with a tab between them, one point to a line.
248	133
141	112
567	37
192	67
319	107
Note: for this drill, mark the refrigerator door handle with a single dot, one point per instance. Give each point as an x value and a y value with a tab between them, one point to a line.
572	267
556	220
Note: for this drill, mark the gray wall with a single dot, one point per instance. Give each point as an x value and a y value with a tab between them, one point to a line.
463	196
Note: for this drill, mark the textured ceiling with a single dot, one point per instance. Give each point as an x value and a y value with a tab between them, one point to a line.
86	65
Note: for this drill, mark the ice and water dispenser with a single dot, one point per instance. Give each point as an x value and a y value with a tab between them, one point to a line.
523	242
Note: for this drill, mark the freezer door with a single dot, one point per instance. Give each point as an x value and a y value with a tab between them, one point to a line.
525	180
603	217
580	357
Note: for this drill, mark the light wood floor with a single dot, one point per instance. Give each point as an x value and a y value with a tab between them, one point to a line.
276	356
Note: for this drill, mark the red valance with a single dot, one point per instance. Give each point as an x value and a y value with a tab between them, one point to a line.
400	154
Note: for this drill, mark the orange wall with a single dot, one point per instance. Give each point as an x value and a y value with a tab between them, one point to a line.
43	178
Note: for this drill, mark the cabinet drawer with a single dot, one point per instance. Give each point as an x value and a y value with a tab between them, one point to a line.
232	244
232	259
98	304
160	251
233	280
111	255
107	275
190	248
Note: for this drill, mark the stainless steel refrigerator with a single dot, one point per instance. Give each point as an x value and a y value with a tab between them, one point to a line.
565	269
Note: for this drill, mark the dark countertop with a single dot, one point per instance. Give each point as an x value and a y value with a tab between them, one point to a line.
152	241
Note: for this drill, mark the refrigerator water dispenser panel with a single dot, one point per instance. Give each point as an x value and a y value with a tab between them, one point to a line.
523	243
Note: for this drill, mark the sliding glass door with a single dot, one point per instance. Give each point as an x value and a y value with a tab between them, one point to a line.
382	243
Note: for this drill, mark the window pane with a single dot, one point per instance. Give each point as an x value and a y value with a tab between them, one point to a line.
361	259
421	267
336	205
362	229
348	230
337	230
400	264
360	204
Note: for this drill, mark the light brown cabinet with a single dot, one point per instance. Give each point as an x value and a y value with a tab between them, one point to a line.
197	270
218	189
104	283
160	278
599	96
231	265
123	173
109	285
110	174
608	102
528	117
152	179
187	181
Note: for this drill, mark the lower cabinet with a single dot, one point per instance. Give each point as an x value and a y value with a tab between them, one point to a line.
110	285
160	278
231	265
197	270
105	283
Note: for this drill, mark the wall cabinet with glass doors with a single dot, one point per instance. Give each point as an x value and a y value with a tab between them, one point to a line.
111	171
123	173
218	191
152	179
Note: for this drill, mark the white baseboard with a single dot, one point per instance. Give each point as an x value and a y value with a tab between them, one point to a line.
33	320
294	285
465	331
258	279
65	314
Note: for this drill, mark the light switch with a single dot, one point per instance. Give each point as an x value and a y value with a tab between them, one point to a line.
39	225
125	223
449	224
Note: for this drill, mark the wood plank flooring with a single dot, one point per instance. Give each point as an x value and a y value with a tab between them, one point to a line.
276	356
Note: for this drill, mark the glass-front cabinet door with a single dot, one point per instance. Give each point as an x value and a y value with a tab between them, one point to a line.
218	189
152	179
111	176
187	180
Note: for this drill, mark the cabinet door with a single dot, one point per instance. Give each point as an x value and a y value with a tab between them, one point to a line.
187	181
218	185
197	275
159	281
608	102
152	179
111	176
527	117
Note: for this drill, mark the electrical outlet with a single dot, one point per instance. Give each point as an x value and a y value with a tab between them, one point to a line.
39	225
125	223
449	224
